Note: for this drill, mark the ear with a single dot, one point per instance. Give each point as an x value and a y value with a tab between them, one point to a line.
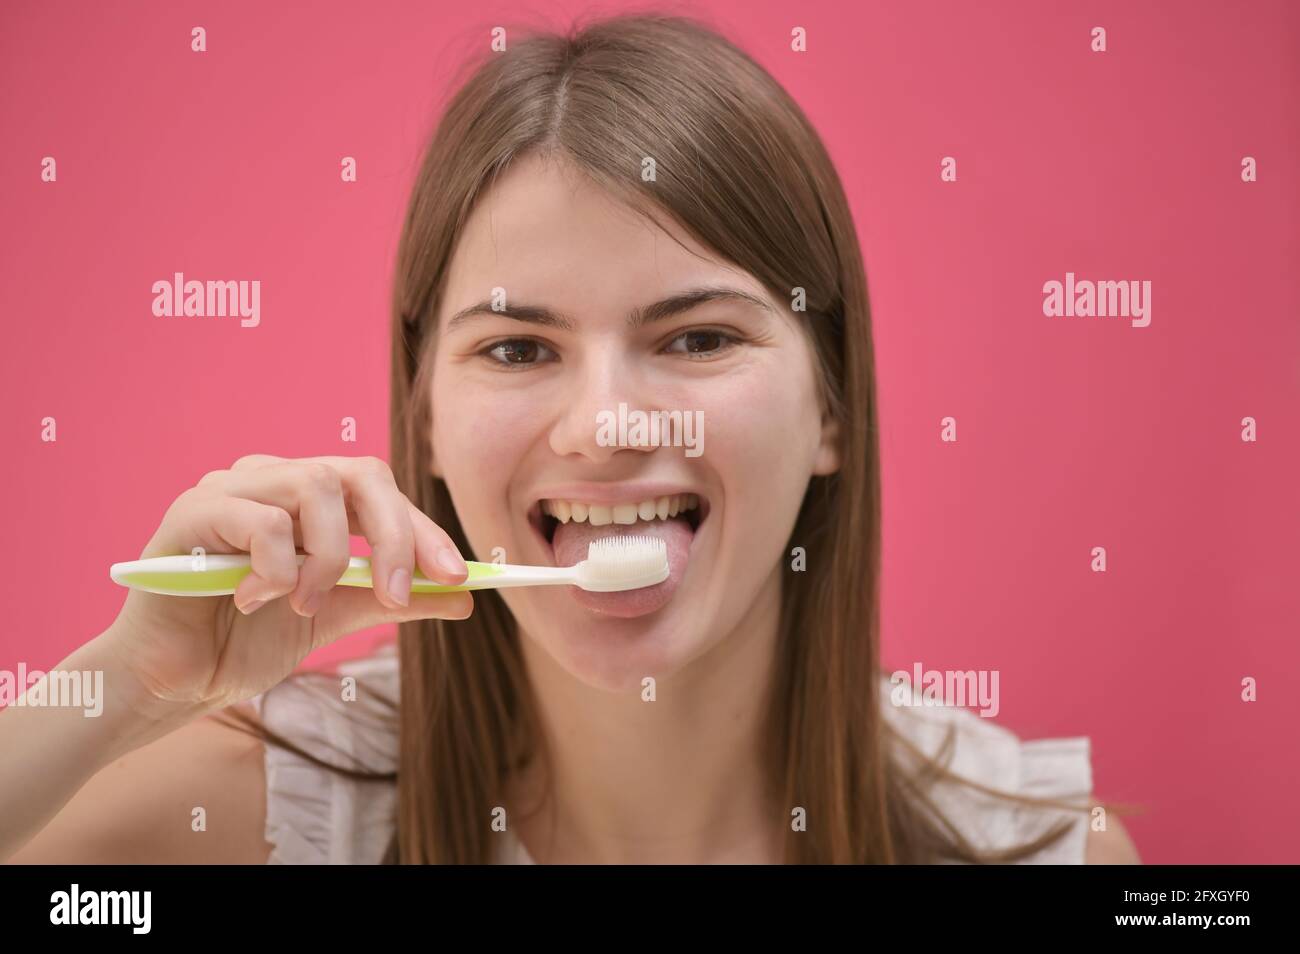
829	456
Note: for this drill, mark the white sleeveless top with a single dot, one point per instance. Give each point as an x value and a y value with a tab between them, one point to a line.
317	816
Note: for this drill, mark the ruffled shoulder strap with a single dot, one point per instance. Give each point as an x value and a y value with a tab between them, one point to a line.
993	756
315	815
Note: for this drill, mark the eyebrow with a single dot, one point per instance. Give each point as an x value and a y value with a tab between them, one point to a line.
639	317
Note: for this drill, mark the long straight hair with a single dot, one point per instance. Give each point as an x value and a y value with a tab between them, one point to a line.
738	165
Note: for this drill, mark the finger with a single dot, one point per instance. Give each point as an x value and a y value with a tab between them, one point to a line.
322	515
265	533
384	513
430	539
436	554
400	534
313	495
348	609
254	461
220	524
385	522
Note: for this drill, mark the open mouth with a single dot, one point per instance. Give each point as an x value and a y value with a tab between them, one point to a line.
547	515
567	527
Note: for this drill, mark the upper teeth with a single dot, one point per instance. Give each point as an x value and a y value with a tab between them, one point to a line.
598	515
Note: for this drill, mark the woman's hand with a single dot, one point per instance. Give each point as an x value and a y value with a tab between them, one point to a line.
196	654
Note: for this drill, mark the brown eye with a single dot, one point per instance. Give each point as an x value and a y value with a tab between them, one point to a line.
517	351
701	343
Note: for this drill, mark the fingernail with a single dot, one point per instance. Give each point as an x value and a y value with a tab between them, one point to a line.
311	605
248	608
450	561
399	586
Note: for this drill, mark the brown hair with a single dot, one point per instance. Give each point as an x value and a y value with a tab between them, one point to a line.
739	166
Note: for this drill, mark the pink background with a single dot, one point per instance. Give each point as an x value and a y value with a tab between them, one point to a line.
1073	433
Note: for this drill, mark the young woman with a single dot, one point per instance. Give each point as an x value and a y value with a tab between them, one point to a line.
636	215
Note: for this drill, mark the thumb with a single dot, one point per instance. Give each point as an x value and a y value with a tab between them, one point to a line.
347	609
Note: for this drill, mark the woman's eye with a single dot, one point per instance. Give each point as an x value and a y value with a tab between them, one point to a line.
518	351
703	343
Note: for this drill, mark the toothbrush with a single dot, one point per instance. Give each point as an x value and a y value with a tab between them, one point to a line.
613	564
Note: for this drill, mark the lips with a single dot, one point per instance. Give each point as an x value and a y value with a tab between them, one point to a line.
567	531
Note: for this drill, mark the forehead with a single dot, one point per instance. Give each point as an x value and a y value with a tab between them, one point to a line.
548	234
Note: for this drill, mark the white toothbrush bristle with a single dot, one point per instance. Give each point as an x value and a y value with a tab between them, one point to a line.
624	563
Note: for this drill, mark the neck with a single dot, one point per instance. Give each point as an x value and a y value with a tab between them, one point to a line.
678	780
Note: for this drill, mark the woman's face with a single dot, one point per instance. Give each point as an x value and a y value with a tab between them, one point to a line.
526	419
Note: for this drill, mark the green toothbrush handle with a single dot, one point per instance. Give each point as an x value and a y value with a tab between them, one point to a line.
218	574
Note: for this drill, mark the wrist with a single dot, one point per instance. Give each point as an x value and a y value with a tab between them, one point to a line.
131	714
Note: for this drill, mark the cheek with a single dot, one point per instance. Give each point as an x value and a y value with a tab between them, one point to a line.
479	438
761	432
476	431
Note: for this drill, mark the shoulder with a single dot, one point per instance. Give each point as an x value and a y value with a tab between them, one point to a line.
191	796
1113	846
979	750
348	719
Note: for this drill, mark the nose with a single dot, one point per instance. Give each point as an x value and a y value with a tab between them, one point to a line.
588	425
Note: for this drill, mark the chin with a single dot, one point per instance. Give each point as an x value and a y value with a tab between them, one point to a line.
613	641
614	653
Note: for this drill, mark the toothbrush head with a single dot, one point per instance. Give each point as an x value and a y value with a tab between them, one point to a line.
614	564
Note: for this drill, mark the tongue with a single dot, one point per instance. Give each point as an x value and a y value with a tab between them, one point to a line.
570	545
